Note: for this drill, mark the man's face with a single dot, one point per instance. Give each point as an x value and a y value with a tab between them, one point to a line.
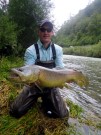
45	34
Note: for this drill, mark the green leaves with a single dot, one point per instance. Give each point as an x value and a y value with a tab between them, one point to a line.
18	23
82	29
8	35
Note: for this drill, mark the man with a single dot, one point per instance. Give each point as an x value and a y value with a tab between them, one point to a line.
49	55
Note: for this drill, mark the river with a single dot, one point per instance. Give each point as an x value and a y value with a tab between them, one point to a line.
89	99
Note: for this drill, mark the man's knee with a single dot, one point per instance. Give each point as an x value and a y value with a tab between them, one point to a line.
15	112
23	102
63	114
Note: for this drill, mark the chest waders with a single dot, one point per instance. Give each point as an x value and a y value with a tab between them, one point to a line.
48	64
52	102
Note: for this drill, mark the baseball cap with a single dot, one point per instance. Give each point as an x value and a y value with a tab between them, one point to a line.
46	21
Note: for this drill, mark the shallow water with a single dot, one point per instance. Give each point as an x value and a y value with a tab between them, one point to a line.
89	99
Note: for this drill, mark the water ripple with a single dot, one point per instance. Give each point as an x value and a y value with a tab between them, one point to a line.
92	97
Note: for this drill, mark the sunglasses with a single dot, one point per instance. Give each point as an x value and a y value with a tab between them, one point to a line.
43	30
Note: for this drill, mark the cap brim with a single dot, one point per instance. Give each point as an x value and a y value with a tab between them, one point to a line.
46	22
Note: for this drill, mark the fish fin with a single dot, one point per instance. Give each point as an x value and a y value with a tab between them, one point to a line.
79	78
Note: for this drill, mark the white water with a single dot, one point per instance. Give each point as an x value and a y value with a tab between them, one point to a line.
90	99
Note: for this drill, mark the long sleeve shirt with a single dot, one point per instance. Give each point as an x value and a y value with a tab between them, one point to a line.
45	54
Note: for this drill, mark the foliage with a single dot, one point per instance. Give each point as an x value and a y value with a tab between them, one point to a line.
3	5
6	63
75	110
90	50
8	35
18	23
82	29
27	14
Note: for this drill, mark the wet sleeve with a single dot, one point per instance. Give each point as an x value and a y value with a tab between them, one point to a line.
59	58
29	57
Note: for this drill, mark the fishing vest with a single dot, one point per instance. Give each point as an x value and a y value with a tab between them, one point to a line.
48	64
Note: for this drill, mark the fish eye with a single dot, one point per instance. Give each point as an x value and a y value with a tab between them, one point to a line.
19	69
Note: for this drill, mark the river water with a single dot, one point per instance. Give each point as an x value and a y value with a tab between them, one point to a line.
89	99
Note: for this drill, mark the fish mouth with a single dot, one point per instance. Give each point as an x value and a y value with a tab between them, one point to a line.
13	76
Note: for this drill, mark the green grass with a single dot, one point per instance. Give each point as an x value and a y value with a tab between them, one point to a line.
34	122
89	50
6	63
75	110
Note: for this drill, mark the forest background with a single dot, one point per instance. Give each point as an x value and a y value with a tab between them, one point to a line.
80	35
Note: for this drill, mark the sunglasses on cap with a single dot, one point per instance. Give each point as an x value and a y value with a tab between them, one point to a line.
45	29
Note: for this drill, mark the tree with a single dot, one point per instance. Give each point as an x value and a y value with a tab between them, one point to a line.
84	28
26	14
3	5
8	36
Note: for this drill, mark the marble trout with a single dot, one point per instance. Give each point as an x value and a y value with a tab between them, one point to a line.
45	77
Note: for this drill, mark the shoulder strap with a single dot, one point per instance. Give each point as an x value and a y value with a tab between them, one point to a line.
37	51
53	51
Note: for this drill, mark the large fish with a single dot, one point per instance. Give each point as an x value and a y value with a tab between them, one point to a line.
45	77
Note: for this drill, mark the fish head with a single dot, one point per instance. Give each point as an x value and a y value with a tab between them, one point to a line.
25	74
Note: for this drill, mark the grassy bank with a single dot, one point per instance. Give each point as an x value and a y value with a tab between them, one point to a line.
34	122
89	51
